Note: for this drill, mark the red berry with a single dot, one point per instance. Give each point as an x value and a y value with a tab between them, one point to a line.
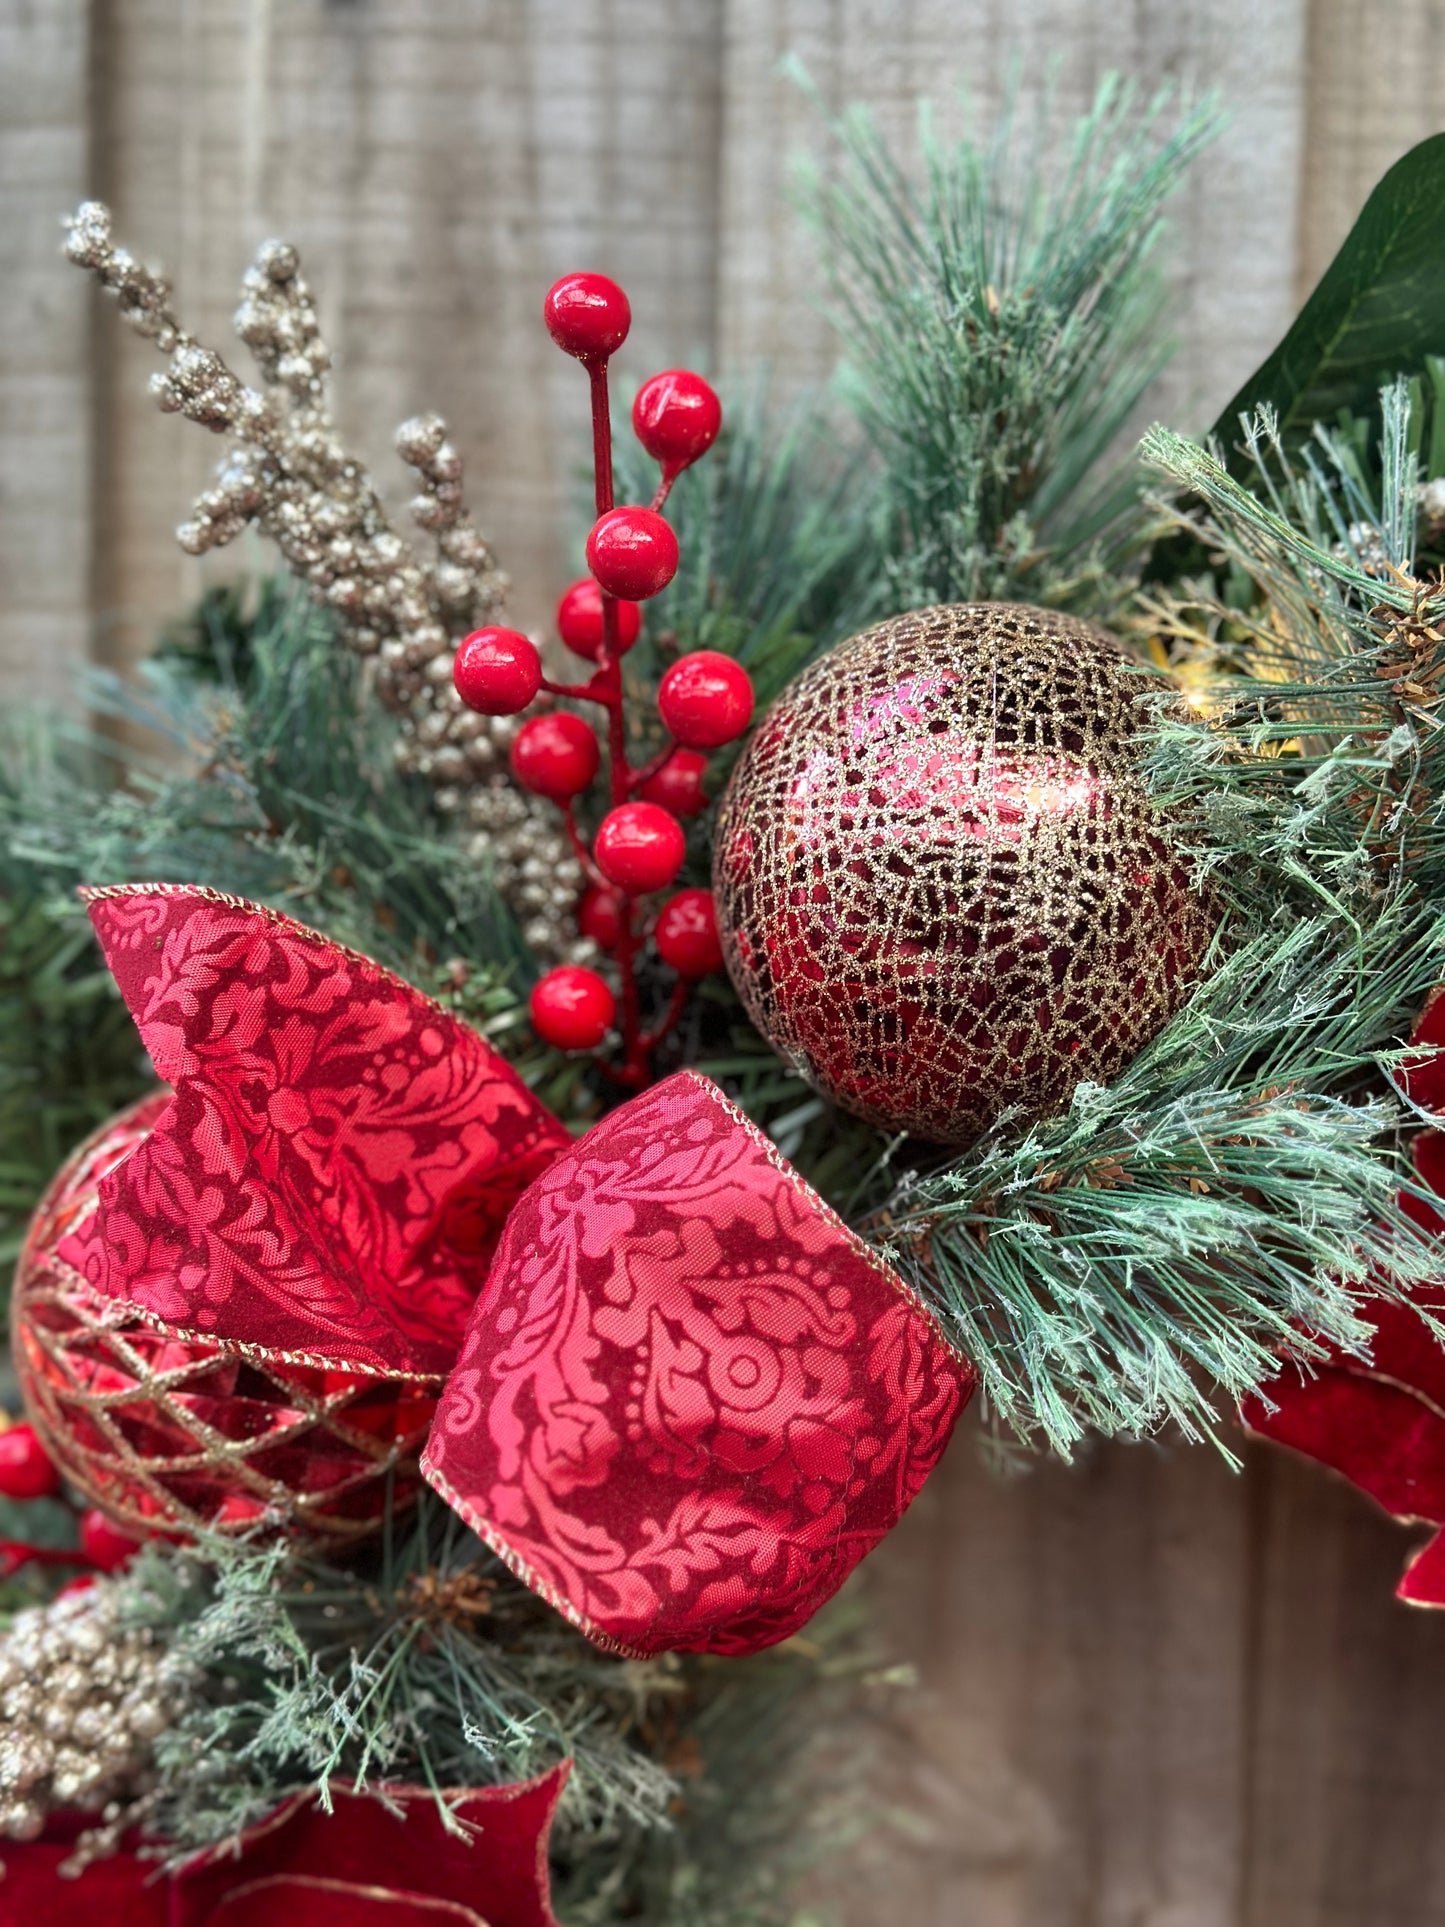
686	933
103	1543
572	1008
676	417
706	699
497	671
587	315
25	1468
555	756
579	620
82	1582
677	786
632	552
639	847
600	914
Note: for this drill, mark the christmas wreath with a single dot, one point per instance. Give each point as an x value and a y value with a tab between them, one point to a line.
966	923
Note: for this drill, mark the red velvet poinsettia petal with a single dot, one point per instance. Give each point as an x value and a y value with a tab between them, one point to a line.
359	1866
298	1900
119	1891
1381	1423
1423	1582
497	1868
341	1153
690	1398
1423	1077
1382	1436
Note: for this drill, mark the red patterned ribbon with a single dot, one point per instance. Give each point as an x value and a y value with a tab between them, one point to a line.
687	1401
362	1863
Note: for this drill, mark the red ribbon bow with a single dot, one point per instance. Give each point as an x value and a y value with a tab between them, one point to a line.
682	1400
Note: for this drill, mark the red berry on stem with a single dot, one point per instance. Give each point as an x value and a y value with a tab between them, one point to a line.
677	786
686	933
555	756
706	699
676	417
632	552
579	620
103	1543
25	1468
639	847
497	671
587	316
600	914
572	1008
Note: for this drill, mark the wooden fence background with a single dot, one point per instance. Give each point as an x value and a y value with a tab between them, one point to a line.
1154	1694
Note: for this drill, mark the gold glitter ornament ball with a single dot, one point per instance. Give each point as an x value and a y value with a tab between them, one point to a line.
942	888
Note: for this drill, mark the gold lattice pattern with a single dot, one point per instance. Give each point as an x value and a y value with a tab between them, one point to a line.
942	887
171	1433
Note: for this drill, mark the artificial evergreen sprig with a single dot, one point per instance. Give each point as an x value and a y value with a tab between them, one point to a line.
430	1664
1001	327
1127	1263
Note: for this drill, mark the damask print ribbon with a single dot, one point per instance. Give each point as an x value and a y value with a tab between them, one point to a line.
683	1399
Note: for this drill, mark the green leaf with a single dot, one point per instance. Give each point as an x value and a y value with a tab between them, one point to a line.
1379	311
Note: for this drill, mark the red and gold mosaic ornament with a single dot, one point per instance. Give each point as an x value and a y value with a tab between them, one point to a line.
176	1433
942	889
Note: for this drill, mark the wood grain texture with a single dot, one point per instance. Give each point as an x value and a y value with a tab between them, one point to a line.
1154	1694
45	369
438	165
1374	85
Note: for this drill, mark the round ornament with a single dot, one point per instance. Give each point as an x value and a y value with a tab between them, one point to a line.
942	889
167	1434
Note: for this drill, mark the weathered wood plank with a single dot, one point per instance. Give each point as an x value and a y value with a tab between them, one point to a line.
45	376
438	166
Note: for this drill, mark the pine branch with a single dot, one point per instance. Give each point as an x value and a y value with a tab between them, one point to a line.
1001	329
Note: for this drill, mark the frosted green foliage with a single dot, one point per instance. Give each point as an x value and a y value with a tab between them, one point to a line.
1002	315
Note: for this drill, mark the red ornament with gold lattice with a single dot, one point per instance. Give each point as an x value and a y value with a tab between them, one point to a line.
176	1434
942	889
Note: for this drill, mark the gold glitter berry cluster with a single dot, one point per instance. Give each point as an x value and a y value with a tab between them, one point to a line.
287	473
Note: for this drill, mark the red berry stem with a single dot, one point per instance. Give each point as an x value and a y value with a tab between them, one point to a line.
609	684
646	771
601	433
640	845
671	1018
582	692
580	850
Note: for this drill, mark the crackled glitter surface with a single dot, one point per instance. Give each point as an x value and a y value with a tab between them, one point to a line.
941	886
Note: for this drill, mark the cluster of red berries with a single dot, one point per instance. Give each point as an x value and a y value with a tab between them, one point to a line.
705	699
27	1472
